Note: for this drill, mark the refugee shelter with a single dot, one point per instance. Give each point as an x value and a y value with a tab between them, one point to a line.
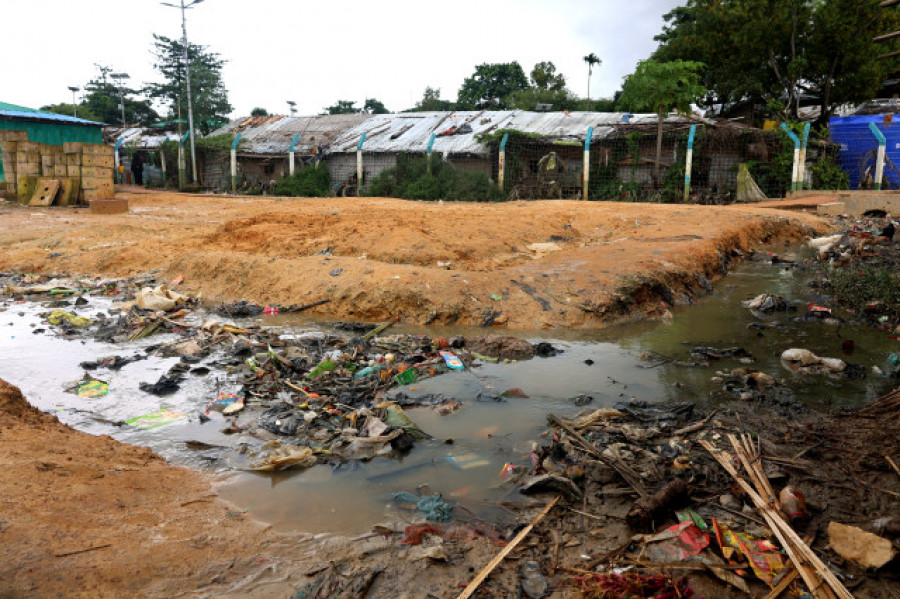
52	158
146	144
263	152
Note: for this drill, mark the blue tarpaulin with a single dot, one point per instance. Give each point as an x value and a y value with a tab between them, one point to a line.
858	146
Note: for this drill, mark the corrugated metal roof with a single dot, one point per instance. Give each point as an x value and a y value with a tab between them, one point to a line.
271	135
143	138
410	132
12	111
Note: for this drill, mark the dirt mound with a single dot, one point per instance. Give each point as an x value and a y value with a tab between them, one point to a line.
522	265
13	404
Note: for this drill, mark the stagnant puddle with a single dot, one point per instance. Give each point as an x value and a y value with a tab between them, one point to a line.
469	449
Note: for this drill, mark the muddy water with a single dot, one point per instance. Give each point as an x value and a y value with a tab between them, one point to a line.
470	447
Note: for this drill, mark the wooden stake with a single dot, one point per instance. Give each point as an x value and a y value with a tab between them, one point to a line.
486	571
810	566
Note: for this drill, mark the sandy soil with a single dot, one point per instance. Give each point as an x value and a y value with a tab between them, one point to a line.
423	263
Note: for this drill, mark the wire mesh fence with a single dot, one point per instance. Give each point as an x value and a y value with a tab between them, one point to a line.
707	164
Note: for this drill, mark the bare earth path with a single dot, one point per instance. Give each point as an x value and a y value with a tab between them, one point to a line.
377	258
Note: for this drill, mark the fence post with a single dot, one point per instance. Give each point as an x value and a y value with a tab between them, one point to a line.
801	178
586	176
234	146
501	163
359	164
119	176
879	157
162	163
688	163
428	152
796	168
182	168
293	145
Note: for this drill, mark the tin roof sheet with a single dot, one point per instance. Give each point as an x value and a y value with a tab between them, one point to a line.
273	135
411	131
13	111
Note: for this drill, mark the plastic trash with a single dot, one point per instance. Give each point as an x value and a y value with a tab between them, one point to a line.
156	419
397	418
366	372
57	317
159	299
533	581
467	461
407	376
452	361
864	548
793	504
92	388
223	401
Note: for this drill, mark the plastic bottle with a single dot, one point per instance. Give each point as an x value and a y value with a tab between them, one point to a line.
793	504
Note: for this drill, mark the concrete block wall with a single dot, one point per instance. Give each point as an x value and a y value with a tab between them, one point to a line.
85	171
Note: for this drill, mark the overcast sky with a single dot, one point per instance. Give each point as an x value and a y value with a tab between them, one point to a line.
318	52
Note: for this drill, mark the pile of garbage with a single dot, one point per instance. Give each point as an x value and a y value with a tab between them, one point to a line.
300	398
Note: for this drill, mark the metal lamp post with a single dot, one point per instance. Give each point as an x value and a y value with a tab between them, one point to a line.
293	106
118	77
74	89
187	74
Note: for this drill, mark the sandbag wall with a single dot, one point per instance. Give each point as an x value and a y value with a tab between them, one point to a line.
80	172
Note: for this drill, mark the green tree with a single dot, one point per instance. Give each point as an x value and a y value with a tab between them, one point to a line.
373	106
258	111
662	87
591	60
843	60
209	98
101	101
83	111
763	51
342	107
431	102
545	78
490	85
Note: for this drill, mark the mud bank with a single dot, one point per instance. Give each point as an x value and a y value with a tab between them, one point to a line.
521	265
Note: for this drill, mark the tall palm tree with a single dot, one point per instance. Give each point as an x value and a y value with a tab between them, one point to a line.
591	59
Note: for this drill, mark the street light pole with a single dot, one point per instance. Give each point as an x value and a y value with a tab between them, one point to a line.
74	89
118	77
293	107
187	76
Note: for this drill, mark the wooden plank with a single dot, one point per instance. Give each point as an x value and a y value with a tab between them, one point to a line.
486	571
45	192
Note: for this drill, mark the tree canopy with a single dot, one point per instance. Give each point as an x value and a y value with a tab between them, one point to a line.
490	85
208	94
373	106
259	111
431	102
342	107
774	51
662	87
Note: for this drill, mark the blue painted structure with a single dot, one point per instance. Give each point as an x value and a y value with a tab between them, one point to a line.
859	146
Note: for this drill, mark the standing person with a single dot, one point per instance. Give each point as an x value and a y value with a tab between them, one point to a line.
137	169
